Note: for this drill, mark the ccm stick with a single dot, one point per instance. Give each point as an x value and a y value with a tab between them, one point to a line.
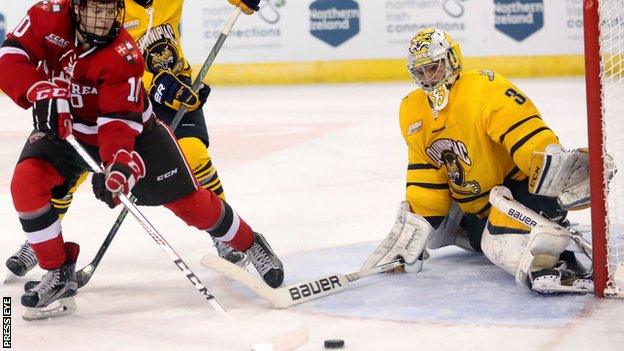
288	341
296	293
84	275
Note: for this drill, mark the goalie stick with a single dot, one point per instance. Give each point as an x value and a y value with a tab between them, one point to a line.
289	341
84	274
296	293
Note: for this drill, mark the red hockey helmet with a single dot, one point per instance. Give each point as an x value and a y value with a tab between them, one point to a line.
98	21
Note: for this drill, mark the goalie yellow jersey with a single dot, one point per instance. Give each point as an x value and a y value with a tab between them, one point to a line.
161	47
484	135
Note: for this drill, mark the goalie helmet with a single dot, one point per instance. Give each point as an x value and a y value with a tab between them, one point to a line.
434	61
98	21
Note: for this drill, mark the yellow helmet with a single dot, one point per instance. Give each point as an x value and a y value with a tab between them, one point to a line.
433	59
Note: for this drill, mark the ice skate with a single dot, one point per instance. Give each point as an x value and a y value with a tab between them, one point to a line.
560	279
266	262
22	261
58	285
230	254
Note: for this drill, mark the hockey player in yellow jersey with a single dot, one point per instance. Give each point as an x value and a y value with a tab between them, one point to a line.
467	132
154	25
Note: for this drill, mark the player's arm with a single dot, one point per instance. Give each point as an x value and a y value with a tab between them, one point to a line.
121	101
513	121
20	55
427	202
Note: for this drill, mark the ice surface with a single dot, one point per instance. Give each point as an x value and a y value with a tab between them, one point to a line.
320	170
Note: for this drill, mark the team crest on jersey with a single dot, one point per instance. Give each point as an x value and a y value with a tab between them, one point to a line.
53	6
453	154
128	51
163	55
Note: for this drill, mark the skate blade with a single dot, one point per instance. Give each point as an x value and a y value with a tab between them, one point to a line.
10	276
62	307
581	286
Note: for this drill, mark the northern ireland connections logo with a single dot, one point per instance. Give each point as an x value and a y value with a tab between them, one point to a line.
519	19
334	21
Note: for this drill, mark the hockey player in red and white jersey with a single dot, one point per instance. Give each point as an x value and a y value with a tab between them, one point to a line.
80	71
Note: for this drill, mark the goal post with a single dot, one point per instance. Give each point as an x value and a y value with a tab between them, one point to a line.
604	81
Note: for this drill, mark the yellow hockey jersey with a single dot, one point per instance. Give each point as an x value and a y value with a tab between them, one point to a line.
484	135
161	47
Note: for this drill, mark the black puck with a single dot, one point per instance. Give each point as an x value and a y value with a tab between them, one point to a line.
334	344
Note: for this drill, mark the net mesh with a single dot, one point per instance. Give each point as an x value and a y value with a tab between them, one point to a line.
611	13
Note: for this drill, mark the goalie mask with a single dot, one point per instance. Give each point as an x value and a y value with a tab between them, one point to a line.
434	61
98	21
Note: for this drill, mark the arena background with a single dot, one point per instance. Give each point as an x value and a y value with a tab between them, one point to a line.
295	41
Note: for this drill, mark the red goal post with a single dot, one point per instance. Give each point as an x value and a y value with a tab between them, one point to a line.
604	78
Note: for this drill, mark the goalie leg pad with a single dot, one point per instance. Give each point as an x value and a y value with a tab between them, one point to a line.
407	239
504	250
545	245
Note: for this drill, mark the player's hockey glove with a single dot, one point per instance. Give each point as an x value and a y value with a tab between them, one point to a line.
171	91
247	6
50	108
119	177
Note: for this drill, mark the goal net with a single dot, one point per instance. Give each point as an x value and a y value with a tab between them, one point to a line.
604	57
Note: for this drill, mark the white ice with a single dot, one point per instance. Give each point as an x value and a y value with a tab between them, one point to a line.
320	170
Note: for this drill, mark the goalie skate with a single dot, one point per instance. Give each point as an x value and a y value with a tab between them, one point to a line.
559	280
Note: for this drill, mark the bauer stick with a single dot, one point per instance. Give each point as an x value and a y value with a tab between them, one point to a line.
502	199
296	293
84	275
300	337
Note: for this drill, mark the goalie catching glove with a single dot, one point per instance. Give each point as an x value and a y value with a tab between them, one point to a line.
407	241
564	175
119	177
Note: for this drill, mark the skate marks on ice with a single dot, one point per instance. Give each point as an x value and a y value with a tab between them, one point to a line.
455	287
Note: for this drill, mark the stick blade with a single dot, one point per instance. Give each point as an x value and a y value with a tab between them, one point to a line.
242	276
288	341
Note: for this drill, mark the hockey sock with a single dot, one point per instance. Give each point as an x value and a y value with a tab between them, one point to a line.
199	159
205	211
31	188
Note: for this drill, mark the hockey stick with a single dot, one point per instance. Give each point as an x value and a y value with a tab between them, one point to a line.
84	275
296	293
502	199
300	338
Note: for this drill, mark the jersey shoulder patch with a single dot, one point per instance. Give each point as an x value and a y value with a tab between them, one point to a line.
51	6
128	51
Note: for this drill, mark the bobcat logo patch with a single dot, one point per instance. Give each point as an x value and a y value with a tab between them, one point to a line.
163	56
453	155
